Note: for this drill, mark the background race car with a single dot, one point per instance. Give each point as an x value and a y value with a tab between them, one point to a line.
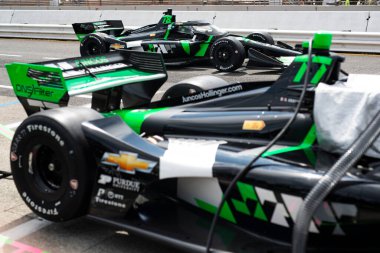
184	42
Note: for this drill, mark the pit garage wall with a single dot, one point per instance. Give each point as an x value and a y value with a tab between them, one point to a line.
365	19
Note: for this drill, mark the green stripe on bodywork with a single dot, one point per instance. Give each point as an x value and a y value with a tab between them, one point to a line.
167	34
247	192
134	118
203	47
81	36
306	143
186	46
316	59
225	213
317	77
323	60
300	73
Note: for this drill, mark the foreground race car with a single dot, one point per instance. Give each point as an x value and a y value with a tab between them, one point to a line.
161	171
182	43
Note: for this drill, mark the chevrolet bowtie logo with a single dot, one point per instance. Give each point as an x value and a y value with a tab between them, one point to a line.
117	46
128	162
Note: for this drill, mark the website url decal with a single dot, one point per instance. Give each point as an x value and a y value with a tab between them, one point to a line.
212	93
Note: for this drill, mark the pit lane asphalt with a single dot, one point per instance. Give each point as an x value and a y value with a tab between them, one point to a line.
18	224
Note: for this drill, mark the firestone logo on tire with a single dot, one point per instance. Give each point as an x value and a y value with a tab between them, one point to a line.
48	130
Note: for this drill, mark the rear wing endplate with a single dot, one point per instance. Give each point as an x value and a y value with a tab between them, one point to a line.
49	84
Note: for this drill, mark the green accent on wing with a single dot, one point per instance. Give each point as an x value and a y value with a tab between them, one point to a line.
301	72
37	82
113	76
317	77
186	46
225	213
134	118
203	47
310	138
90	61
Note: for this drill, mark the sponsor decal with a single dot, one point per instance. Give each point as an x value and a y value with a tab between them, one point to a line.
117	46
255	125
45	78
33	90
212	93
109	198
48	130
38	208
91	61
288	100
119	183
128	162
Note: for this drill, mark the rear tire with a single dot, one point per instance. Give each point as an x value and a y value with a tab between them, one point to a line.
93	44
227	54
51	164
262	37
193	85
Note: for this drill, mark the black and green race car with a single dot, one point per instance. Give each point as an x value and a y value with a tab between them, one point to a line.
182	43
161	169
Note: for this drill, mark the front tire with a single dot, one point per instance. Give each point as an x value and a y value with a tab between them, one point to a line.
93	44
51	164
227	54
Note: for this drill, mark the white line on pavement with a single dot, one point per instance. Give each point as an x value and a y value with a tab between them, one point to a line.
51	58
25	229
13	125
11	55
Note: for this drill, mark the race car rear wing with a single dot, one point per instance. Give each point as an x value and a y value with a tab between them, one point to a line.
110	27
49	84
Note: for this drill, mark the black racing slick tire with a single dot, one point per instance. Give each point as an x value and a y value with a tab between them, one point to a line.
262	37
227	54
51	164
93	44
193	85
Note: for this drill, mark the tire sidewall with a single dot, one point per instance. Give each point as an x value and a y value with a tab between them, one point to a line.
96	40
70	199
261	37
237	54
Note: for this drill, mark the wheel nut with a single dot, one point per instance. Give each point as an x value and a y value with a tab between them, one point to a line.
51	167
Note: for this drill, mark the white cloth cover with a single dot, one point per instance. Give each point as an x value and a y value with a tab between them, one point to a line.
342	111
